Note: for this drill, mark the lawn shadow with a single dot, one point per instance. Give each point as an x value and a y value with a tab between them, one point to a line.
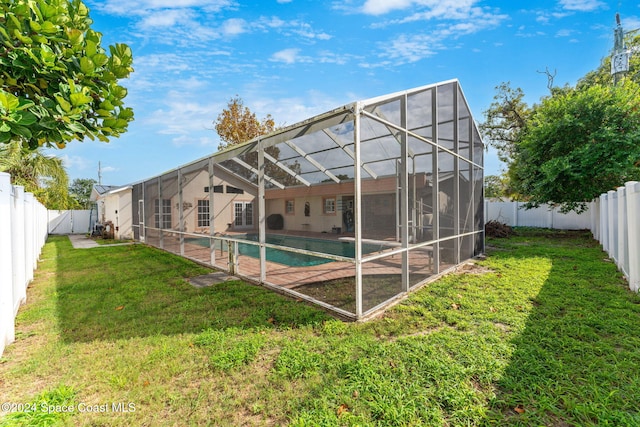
577	360
136	291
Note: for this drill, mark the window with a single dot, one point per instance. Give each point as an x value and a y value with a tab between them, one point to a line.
234	190
203	213
216	189
243	214
162	215
289	207
329	205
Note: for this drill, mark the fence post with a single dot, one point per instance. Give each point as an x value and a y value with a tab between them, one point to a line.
594	212
604	221
486	212
633	214
612	218
7	328
29	246
622	231
17	240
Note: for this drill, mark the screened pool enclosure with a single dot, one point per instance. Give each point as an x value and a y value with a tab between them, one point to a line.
350	209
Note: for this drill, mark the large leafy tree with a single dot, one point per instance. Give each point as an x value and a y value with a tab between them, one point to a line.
44	176
237	124
80	189
57	83
495	187
505	119
578	144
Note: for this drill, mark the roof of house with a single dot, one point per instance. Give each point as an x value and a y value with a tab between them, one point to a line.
100	190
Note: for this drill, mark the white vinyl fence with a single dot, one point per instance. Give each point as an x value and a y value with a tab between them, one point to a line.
514	214
618	229
71	222
23	232
613	218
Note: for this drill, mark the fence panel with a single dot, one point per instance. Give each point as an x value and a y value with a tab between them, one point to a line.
619	231
69	222
633	235
515	215
23	232
7	331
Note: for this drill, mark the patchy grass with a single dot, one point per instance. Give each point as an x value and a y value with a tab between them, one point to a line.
102	241
542	332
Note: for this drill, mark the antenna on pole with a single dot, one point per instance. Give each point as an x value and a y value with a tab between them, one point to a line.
620	57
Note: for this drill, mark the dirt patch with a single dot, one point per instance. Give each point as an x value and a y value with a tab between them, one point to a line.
209	279
473	268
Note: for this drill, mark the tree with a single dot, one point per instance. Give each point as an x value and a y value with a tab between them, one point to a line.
80	189
579	144
43	176
237	124
505	119
495	187
57	83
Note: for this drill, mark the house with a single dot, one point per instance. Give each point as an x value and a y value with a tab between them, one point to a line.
114	208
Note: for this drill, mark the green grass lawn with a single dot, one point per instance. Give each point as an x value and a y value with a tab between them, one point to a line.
542	332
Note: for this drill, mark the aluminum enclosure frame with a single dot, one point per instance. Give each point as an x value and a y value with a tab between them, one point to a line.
395	180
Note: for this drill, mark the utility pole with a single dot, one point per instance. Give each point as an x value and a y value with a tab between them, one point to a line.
99	173
620	58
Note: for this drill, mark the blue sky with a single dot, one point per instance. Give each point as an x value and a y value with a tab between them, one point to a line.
297	58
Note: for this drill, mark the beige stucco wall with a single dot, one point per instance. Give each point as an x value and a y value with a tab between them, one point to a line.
223	203
316	221
117	208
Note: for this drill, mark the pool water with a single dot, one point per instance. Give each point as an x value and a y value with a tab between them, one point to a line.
292	259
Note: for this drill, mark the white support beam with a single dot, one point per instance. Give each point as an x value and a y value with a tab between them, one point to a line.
349	152
311	160
358	210
400	131
286	168
254	170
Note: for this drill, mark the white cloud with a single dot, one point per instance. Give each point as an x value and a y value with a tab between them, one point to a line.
630	23
184	116
565	33
582	5
413	47
75	162
290	28
185	140
291	110
288	56
270	22
304	30
456	19
173	22
234	26
380	7
166	18
142	7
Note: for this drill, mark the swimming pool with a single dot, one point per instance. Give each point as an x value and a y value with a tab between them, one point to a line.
333	247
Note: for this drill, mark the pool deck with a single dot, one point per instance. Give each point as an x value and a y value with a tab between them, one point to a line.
299	277
421	262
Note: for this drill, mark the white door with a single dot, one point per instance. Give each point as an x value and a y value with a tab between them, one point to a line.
243	215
